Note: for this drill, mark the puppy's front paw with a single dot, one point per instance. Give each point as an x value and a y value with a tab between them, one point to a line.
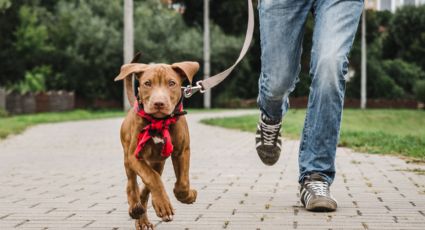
144	224
136	211
163	208
186	196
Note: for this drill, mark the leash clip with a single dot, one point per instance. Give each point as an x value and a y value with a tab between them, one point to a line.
189	90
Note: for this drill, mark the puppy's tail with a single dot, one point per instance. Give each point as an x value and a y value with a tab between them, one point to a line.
126	71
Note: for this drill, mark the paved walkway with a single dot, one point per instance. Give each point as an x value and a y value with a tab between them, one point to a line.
70	176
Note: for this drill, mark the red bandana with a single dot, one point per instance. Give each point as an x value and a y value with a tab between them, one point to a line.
159	127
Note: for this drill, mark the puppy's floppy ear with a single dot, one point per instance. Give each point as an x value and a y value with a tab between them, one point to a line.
127	69
187	69
131	68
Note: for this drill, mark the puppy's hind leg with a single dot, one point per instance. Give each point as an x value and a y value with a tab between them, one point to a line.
143	221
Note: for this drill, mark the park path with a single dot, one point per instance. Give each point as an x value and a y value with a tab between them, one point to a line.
70	176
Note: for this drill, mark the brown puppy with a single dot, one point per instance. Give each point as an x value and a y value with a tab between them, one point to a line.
159	94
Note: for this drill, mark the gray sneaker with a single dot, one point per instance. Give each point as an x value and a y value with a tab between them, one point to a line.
268	140
316	195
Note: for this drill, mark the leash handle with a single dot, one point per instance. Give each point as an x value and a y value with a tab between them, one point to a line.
210	82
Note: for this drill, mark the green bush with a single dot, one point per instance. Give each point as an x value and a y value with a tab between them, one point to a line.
390	79
379	83
403	73
406	33
4	4
33	82
420	90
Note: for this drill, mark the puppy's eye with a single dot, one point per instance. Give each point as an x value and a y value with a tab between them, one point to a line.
147	83
171	83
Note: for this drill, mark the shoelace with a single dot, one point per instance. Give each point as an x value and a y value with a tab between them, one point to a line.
269	133
320	188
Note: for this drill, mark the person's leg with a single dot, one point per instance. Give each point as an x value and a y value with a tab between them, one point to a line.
281	28
336	22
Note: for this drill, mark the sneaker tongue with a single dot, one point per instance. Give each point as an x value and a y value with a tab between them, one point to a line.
268	121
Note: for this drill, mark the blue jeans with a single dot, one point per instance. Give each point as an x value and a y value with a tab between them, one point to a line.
282	30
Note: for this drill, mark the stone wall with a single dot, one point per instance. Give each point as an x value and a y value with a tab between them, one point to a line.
56	101
51	101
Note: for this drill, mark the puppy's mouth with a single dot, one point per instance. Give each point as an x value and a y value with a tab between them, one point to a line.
158	111
159	114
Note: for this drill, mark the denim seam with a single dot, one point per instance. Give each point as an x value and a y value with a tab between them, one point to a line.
305	131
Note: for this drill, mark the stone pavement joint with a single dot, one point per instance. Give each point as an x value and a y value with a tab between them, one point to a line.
71	176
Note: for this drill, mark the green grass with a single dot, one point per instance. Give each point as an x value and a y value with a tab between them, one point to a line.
17	124
400	132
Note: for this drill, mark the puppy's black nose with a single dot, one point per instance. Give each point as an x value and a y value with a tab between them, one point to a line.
159	105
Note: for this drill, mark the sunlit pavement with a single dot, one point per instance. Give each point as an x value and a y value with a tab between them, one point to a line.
71	176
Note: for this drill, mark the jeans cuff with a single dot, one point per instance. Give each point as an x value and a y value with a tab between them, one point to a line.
327	178
272	109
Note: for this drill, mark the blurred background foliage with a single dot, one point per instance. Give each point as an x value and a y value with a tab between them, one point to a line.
77	45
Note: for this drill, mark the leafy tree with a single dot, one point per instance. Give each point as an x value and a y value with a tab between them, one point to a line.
184	42
231	17
4	4
380	85
162	35
87	47
32	39
406	38
404	74
34	81
11	65
24	43
77	45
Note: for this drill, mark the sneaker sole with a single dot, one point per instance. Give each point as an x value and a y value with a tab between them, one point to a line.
268	159
322	205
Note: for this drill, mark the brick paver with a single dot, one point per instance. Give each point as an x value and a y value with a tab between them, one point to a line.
71	176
